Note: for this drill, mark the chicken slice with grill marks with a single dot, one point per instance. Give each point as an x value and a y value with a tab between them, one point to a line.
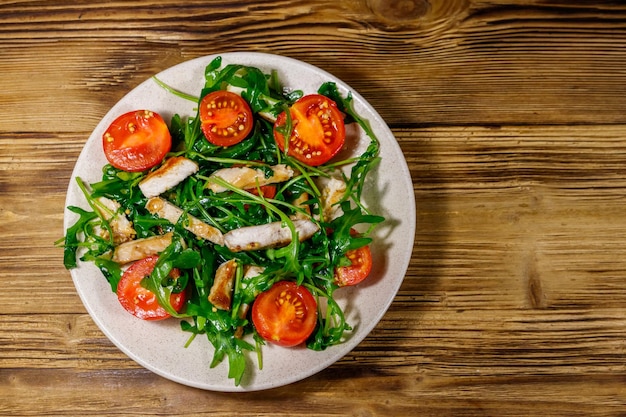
121	227
167	176
271	235
332	191
248	177
141	248
306	209
221	291
168	211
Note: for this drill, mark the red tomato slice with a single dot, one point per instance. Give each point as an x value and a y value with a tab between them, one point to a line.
286	314
361	267
136	141
267	191
318	132
226	118
141	302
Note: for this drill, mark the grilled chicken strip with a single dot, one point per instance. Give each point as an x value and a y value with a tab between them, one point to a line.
247	177
299	202
167	176
271	235
332	191
121	227
168	211
221	291
141	248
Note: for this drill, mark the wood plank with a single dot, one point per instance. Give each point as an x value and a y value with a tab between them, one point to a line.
69	392
468	63
447	342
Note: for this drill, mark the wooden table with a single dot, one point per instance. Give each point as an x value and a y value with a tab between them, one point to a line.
512	117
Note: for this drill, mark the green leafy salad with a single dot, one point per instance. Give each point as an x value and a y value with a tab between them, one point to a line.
241	220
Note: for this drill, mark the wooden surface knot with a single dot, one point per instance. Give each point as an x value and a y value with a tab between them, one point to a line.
400	10
418	18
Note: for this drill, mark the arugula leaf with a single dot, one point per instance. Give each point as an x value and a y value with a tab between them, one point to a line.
343	240
217	325
174	256
224	344
331	327
117	185
72	240
111	271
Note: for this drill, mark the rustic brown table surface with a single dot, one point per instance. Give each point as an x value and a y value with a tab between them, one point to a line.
512	118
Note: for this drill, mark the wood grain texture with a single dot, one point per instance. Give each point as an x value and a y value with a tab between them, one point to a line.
459	63
512	118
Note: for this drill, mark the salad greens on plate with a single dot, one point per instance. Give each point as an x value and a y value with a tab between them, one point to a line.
241	220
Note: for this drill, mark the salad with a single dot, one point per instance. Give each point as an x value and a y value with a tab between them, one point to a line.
241	220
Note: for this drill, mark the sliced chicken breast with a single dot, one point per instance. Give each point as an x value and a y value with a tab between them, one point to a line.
168	211
167	176
251	271
247	177
221	291
141	248
271	235
299	202
121	227
332	191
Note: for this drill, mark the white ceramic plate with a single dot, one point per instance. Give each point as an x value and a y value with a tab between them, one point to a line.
159	346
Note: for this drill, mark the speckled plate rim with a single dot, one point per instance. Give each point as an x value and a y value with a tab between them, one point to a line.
159	346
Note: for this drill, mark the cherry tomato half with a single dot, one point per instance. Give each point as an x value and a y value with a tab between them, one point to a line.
286	314
267	191
140	301
136	141
226	118
318	132
360	268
